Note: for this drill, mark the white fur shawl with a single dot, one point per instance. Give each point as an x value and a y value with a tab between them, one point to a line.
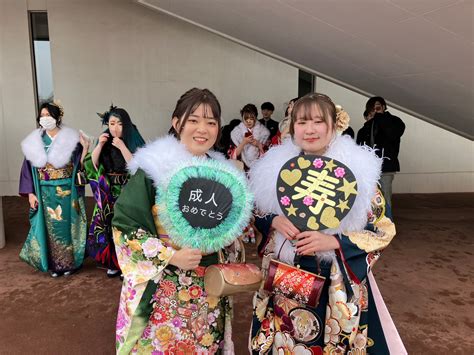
250	152
363	162
163	157
59	153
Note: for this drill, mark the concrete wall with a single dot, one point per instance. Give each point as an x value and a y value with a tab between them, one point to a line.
431	159
117	50
17	104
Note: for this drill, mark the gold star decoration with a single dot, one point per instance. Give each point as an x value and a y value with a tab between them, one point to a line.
330	165
342	205
348	188
292	210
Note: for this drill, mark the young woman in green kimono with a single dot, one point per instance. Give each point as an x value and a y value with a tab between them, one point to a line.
106	171
56	240
346	320
163	306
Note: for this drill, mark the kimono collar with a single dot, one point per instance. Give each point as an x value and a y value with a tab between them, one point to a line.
60	150
363	162
166	155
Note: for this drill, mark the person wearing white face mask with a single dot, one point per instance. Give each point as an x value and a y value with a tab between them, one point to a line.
56	240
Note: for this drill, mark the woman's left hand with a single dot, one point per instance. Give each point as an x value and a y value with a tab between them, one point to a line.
310	242
118	143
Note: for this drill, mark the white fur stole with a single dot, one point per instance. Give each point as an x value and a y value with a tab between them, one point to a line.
59	153
362	161
250	152
162	158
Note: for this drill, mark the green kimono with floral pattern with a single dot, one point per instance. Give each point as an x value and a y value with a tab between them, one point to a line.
162	309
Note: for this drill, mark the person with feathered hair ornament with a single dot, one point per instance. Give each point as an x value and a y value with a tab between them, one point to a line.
106	171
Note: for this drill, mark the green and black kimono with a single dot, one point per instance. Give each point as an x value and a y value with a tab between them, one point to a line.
163	309
56	239
106	185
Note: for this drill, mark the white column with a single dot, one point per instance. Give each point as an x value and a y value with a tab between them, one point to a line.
2	229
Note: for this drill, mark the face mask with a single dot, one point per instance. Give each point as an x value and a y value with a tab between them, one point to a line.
48	123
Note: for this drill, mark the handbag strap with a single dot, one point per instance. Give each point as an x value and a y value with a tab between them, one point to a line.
220	253
347	284
279	251
296	260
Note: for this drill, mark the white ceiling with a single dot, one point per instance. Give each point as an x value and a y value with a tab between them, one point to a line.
418	54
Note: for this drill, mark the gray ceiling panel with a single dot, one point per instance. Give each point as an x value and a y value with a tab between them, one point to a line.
418	54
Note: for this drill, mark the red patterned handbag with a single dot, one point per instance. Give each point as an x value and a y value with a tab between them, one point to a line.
294	283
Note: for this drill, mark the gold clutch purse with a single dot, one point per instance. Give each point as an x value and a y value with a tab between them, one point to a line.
229	279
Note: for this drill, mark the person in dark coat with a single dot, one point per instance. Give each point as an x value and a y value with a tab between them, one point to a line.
363	135
267	120
383	131
348	132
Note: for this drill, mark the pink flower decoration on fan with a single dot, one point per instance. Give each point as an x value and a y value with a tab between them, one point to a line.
318	163
285	201
308	200
339	172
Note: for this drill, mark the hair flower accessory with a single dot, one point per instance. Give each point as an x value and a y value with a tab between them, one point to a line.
342	119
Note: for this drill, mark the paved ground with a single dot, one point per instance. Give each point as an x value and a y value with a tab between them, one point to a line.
425	276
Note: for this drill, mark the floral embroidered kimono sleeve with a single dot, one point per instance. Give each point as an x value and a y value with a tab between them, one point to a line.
360	250
141	255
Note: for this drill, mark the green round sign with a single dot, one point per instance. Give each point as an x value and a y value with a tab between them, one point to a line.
206	205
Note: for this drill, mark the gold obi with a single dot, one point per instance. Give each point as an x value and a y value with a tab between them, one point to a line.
117	179
162	232
49	172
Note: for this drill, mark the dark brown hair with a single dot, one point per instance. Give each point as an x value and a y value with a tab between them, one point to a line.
189	102
250	109
302	109
369	106
54	112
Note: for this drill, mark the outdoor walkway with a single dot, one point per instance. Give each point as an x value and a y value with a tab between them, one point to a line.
425	276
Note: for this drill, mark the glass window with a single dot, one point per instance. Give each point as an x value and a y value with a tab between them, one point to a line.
305	83
41	52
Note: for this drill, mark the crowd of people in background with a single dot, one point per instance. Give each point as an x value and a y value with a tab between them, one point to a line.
249	138
126	236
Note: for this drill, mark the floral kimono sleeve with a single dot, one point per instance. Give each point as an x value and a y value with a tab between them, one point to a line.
142	258
140	253
360	250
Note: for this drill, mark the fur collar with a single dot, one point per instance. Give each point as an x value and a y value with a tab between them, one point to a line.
163	157
59	153
363	162
250	152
